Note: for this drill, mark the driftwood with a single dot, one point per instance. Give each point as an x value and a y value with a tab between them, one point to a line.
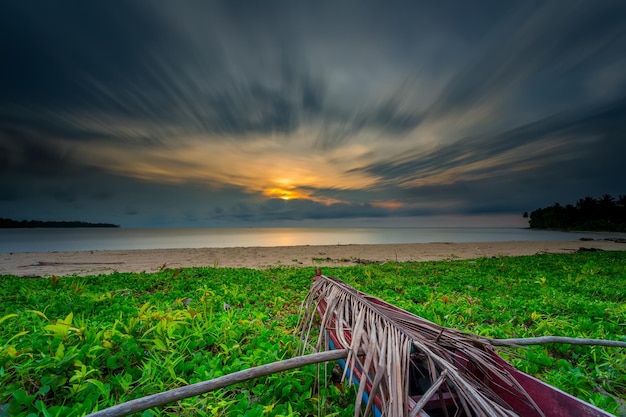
155	400
542	340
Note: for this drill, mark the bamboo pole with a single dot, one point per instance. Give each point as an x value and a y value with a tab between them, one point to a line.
428	394
155	400
542	340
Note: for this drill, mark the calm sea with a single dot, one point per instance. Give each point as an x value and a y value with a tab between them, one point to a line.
50	240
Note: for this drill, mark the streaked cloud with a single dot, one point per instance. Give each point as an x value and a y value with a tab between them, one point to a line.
200	112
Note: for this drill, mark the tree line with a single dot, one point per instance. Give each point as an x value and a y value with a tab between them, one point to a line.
14	224
606	213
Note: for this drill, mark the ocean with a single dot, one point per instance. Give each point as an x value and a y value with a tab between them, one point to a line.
84	239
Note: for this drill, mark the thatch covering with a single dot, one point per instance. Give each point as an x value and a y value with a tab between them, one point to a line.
400	351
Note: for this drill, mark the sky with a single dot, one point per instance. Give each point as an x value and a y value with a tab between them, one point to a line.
234	113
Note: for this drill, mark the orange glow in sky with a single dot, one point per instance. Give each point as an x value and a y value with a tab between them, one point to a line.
262	167
283	194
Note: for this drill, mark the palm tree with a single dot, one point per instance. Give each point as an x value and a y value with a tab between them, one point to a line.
587	207
606	206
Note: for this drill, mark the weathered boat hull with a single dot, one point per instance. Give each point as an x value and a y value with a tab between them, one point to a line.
548	400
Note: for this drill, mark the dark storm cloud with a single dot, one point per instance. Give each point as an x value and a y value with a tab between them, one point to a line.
499	95
144	66
54	47
73	58
574	152
597	132
280	210
544	53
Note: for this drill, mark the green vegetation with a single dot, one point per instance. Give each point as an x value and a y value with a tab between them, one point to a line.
604	214
16	224
71	345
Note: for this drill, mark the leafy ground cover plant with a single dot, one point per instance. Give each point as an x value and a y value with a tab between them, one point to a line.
71	345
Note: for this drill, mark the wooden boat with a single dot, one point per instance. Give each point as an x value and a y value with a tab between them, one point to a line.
436	371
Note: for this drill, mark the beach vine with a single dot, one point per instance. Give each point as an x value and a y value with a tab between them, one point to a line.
73	345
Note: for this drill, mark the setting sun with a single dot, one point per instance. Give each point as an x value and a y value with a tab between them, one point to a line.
283	194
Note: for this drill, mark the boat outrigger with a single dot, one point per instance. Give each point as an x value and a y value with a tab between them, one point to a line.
405	365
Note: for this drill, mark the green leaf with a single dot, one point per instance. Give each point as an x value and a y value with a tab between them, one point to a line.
104	389
16	335
68	319
43	390
112	362
59	330
144	308
60	353
41	406
158	344
23	398
8	316
40	314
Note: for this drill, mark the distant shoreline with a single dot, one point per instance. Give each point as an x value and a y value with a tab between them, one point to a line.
34	224
44	264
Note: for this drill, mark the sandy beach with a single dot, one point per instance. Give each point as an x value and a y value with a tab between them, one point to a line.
104	262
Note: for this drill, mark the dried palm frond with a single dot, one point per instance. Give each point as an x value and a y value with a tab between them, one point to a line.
387	344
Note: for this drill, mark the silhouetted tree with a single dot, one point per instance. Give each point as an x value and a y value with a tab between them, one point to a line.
606	213
14	224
